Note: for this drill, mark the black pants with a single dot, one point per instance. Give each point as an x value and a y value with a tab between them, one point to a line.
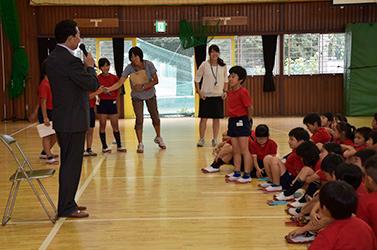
71	155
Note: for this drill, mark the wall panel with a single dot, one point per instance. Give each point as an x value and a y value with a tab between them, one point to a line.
294	95
316	93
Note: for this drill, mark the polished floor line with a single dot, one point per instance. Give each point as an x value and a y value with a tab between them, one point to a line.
50	237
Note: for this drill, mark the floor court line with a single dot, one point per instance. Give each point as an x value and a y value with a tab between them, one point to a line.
60	222
183	218
93	220
233	192
159	177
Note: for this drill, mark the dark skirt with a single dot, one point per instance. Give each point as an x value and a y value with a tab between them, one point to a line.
211	107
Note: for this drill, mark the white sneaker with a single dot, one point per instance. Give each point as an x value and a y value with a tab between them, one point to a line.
121	149
200	142
229	175
296	204
234	178
282	197
265	184
302	238
210	169
160	142
140	148
273	188
52	161
214	142
243	180
106	150
292	211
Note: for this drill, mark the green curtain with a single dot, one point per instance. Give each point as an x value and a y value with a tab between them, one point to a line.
360	81
20	64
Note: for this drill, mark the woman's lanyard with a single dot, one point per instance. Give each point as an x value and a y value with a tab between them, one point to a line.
213	73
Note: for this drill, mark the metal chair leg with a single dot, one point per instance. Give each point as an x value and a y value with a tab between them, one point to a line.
10	203
48	198
52	218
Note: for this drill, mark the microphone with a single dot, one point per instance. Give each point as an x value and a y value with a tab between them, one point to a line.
84	51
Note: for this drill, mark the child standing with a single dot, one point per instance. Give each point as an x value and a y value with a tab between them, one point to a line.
240	109
92	122
45	116
108	106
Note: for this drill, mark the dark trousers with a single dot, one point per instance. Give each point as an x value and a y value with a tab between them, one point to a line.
71	155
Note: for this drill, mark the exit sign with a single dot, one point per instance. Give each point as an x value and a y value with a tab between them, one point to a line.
160	26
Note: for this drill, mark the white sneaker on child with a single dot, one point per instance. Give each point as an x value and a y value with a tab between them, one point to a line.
200	142
140	148
296	204
282	197
160	142
52	161
214	142
244	180
265	184
106	150
293	211
233	178
210	169
302	238
229	175
273	188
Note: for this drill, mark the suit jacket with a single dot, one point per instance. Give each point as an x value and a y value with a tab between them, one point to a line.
70	83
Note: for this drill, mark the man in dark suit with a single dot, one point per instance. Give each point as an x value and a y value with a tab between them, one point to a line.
70	81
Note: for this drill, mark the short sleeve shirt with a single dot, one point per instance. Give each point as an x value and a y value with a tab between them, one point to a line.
150	71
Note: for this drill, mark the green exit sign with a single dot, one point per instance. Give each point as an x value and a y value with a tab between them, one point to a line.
160	26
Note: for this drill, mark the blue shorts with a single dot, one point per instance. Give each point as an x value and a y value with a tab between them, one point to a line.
239	126
40	116
107	107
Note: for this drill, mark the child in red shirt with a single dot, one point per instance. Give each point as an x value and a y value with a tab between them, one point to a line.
108	106
372	141
240	109
344	133
319	134
368	211
282	173
92	122
261	147
338	201
45	116
359	142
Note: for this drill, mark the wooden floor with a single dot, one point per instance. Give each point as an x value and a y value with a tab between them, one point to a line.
156	200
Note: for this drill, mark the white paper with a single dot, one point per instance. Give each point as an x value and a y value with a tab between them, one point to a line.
44	130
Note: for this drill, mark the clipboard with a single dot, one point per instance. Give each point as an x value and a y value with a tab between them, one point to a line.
44	130
139	77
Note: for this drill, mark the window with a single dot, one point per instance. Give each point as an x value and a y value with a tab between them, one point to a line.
314	53
249	54
175	70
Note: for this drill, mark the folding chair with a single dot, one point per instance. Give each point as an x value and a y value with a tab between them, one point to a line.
25	172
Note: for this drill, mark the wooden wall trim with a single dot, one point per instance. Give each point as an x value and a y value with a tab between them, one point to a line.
271	18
